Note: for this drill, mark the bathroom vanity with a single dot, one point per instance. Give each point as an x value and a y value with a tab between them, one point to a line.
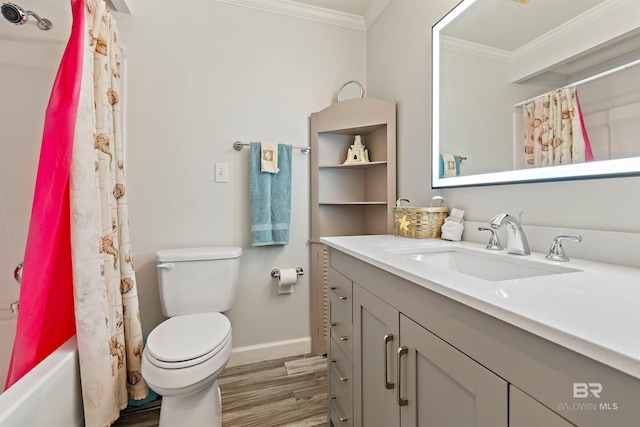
428	332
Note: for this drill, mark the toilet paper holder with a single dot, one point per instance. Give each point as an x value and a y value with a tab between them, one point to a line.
276	272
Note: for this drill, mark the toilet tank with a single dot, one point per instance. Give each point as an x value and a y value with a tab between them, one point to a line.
197	280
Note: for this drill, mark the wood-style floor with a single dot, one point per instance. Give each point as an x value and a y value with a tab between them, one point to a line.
289	392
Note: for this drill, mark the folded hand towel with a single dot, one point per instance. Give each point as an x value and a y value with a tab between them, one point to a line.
452	230
270	198
449	165
269	157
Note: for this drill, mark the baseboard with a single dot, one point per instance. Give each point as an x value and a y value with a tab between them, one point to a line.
269	351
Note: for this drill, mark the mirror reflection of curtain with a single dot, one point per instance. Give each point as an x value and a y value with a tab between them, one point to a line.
554	131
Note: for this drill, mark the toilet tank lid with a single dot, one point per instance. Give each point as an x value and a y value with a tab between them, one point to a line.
198	254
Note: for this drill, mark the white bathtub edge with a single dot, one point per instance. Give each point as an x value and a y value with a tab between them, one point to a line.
52	387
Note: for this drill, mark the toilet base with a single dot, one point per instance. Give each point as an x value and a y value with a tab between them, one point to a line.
200	409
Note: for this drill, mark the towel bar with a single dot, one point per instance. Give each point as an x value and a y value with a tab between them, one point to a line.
238	146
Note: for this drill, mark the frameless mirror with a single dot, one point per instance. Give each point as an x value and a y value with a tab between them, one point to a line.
492	58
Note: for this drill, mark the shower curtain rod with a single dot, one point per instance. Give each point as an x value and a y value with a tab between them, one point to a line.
238	146
587	79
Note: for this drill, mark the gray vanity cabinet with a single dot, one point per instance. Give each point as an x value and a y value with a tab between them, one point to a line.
406	376
376	339
340	349
457	366
525	411
444	387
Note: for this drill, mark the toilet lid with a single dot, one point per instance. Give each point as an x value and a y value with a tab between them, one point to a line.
188	337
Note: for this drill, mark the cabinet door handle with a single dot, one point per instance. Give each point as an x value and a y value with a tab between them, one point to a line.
387	339
341	337
343	419
334	368
338	294
401	352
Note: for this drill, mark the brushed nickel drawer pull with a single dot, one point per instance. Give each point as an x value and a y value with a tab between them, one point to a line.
343	419
387	339
334	368
341	337
401	352
335	291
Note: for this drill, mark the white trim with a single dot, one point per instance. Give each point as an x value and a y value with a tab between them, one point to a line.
269	351
471	48
298	10
579	22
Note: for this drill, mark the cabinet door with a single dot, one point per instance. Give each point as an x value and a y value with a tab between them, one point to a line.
444	387
525	411
376	329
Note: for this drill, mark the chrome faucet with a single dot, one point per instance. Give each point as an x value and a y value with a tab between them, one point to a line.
556	251
494	242
517	242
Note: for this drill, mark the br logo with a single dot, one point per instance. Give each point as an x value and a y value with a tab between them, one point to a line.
584	390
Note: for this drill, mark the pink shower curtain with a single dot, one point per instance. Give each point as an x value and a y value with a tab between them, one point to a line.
46	316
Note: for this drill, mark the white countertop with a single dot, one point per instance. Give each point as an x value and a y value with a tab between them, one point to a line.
594	311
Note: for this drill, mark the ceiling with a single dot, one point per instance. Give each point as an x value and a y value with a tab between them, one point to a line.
522	22
58	11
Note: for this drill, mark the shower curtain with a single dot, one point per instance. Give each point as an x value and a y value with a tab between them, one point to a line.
78	255
554	132
45	318
106	302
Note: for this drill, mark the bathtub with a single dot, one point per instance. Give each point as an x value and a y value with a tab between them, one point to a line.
49	395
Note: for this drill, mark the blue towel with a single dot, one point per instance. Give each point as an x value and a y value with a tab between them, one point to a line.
270	196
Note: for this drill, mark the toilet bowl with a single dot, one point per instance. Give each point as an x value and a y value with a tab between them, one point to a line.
184	354
181	362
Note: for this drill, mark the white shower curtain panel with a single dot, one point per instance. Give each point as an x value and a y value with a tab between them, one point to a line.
553	130
108	324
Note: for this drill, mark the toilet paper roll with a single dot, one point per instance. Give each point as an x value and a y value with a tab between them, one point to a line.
288	276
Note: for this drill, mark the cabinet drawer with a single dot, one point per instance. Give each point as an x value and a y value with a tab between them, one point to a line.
341	331
342	372
340	293
340	411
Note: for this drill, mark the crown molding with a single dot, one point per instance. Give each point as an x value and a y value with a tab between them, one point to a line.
575	24
303	11
463	46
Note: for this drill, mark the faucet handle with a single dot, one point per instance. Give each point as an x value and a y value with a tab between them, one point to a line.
556	251
494	242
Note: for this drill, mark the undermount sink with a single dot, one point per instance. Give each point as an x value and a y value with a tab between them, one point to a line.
487	266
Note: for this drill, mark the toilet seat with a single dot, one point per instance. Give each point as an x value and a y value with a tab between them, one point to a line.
184	341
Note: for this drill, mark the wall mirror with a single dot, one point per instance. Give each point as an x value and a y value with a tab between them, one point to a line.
492	58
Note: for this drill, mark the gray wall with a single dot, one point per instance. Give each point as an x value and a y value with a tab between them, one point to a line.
193	88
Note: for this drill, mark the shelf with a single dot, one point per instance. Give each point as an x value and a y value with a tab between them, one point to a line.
361	130
353	198
354	166
351	203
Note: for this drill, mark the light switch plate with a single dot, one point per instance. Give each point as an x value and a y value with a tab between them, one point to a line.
221	171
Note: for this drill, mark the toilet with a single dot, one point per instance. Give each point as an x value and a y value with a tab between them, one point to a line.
184	354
